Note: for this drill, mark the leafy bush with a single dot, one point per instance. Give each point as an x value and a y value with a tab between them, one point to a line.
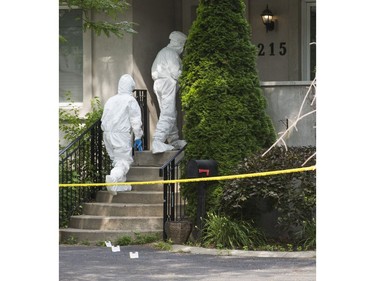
307	235
70	122
292	195
124	240
139	239
164	246
145	238
224	232
223	103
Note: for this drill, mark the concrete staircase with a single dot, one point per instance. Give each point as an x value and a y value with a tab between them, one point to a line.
129	212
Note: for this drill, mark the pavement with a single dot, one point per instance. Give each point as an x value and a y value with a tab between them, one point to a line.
143	262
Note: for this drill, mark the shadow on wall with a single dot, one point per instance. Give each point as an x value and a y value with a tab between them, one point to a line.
284	102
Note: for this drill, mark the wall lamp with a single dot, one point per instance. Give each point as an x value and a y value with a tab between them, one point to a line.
267	17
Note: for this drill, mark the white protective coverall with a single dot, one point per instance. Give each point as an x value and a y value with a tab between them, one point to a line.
165	72
121	117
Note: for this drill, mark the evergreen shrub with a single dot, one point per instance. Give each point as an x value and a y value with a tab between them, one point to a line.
223	104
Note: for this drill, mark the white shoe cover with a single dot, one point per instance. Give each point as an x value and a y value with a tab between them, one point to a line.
178	144
159	147
125	188
115	188
111	189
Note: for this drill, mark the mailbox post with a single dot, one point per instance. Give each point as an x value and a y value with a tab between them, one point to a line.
200	169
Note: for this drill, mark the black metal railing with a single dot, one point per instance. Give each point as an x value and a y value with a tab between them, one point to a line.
141	96
85	160
174	204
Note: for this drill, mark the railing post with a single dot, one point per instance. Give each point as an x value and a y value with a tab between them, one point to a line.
141	96
165	202
168	172
172	185
100	152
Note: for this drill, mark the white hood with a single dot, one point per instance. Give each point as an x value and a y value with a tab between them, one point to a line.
121	112
126	85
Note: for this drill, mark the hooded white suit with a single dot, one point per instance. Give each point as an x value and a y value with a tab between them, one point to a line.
165	72
121	117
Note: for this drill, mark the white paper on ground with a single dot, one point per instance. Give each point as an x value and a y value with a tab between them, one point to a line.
134	255
108	243
116	249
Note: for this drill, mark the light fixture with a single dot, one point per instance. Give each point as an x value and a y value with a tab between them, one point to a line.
267	17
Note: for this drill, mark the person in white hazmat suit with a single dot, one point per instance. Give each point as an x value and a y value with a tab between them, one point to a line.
121	117
165	72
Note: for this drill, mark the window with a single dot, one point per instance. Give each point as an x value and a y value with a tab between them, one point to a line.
71	55
308	39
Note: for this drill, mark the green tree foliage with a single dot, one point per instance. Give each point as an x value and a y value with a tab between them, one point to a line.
112	8
224	107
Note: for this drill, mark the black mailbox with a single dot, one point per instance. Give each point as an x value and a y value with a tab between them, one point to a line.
201	168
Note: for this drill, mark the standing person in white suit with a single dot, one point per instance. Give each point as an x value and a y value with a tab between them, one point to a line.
121	117
165	72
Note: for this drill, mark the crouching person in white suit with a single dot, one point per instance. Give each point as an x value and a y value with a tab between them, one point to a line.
121	117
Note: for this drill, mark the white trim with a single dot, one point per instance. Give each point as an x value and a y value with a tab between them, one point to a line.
284	83
64	5
87	64
305	37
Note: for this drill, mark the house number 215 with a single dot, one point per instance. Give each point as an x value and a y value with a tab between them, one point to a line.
281	49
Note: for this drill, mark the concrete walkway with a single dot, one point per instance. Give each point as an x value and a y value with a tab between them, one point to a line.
238	253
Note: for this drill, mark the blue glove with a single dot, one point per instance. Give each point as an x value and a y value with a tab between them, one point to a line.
138	145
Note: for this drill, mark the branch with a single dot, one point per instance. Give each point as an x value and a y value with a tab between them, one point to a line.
281	138
299	117
308	159
307	94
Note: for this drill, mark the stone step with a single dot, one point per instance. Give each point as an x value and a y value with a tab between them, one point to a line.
129	212
116	223
142	197
147	187
146	158
139	173
68	235
121	209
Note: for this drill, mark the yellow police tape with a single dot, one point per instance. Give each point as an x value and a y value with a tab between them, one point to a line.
218	178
